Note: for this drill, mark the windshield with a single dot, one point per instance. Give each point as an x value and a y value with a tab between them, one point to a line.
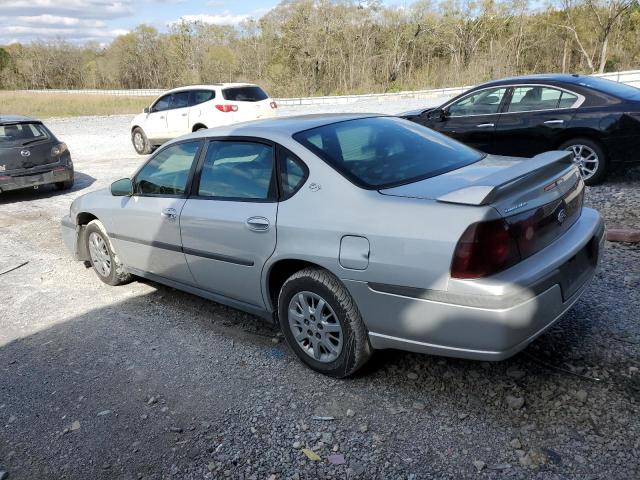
616	89
22	134
382	152
244	94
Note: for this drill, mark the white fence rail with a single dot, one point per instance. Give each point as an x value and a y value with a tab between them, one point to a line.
630	77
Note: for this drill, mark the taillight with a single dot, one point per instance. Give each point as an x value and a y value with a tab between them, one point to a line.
58	149
227	108
273	105
484	248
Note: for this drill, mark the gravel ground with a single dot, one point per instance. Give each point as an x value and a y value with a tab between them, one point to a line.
143	381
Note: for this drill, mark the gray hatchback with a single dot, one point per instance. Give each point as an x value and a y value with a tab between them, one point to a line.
354	233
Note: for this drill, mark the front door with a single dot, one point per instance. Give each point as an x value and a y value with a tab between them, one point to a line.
155	125
178	115
228	225
147	228
534	120
472	119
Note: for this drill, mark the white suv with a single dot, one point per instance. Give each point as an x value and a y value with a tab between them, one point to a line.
187	109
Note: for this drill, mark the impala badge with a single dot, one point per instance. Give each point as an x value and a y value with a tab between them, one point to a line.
25	153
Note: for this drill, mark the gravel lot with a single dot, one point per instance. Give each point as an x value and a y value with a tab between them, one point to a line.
143	381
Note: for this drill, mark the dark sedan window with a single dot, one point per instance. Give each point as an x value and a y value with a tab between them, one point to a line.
619	90
168	171
22	133
483	102
380	152
534	97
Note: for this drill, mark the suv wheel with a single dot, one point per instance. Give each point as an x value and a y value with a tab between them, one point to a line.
322	323
590	158
104	260
140	142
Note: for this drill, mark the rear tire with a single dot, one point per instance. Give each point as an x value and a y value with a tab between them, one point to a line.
140	142
103	258
590	158
329	337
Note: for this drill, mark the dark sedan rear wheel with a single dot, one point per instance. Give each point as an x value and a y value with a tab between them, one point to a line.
322	323
590	158
140	142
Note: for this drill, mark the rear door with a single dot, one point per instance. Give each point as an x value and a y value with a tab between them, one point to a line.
146	226
155	125
178	115
200	110
472	119
534	119
228	224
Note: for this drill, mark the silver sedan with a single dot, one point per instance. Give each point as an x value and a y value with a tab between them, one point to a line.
353	233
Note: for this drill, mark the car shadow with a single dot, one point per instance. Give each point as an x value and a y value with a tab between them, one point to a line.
81	181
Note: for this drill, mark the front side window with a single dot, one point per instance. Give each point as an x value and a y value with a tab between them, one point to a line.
380	152
237	170
162	104
180	100
201	96
293	172
483	102
167	173
22	133
525	99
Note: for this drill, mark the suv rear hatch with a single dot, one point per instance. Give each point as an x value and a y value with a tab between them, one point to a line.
252	102
24	145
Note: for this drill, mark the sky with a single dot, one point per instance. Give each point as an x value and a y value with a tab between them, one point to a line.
80	21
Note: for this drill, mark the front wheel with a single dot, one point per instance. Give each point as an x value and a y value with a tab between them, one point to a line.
322	323
589	157
104	260
140	142
66	185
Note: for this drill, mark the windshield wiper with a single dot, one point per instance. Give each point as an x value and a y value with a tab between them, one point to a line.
33	141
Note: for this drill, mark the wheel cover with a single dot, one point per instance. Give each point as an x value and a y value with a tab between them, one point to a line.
99	253
138	141
315	326
586	158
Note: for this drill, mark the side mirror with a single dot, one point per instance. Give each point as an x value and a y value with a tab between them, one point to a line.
122	188
438	114
146	110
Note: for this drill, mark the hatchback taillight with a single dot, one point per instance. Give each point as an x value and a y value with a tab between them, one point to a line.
483	249
273	105
227	108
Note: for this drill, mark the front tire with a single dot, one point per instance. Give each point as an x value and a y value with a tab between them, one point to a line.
590	158
104	260
140	142
322	324
66	185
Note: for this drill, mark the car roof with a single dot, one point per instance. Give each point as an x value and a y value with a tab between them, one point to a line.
212	86
16	119
278	127
538	78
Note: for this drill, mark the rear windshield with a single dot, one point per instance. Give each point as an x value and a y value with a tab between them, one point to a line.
244	94
382	152
22	133
616	89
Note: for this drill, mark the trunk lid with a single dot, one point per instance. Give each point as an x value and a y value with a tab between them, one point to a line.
24	145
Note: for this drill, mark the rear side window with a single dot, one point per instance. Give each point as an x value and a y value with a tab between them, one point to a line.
244	94
293	173
22	133
201	96
526	99
381	152
167	172
238	170
567	100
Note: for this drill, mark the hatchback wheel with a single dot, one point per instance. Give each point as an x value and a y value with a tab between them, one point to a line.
589	157
140	142
103	258
322	324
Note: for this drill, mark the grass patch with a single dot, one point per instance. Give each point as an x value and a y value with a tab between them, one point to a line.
47	105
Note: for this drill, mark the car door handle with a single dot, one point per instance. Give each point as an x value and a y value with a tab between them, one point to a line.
169	213
162	117
184	114
485	125
258	224
553	122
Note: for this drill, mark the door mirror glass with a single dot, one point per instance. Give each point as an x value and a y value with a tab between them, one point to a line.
122	188
146	110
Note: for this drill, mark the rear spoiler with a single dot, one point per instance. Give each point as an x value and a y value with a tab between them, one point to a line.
487	189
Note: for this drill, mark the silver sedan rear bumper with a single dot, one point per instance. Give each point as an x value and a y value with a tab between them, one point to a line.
490	319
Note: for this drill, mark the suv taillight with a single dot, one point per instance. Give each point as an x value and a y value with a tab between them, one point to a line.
483	249
273	105
227	108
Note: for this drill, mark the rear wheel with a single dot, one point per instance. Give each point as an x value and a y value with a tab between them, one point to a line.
590	158
140	142
322	323
104	260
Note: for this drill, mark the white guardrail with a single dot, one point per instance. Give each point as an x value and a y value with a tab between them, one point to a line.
630	77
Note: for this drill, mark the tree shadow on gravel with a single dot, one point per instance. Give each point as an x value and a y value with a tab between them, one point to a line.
81	181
